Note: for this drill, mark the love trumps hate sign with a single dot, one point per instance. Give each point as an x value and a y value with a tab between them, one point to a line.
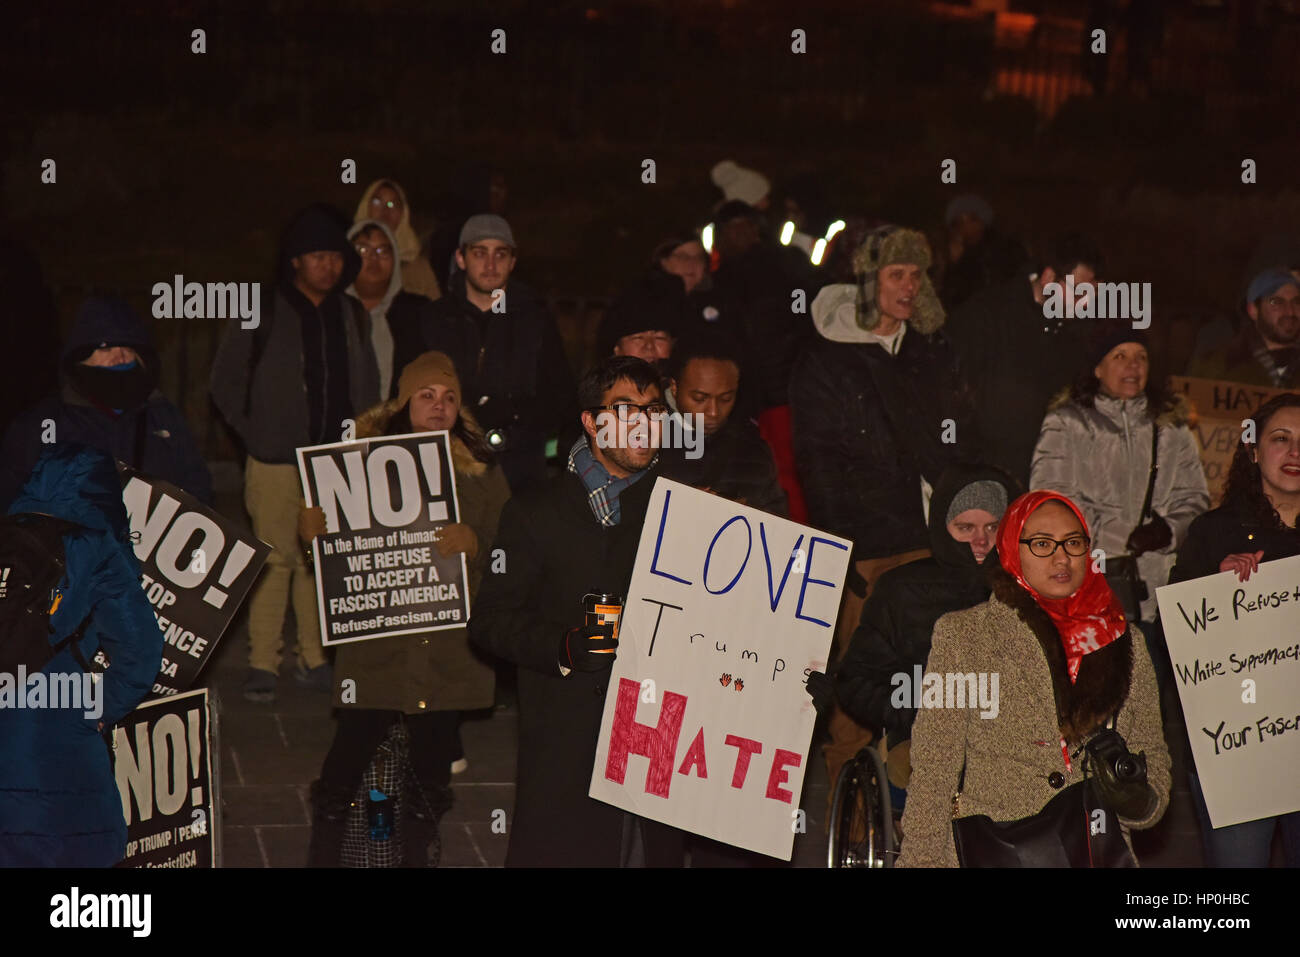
1235	649
707	722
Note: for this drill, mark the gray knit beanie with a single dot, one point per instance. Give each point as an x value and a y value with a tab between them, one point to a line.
985	494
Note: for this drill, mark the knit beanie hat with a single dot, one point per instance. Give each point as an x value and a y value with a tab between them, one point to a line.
1110	335
889	246
430	368
985	494
1268	282
737	182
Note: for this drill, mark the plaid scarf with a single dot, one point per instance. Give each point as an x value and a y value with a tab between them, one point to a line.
602	488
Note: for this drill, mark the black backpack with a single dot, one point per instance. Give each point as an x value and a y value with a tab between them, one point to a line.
32	563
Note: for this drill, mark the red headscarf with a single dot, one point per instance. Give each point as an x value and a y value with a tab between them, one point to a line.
1088	620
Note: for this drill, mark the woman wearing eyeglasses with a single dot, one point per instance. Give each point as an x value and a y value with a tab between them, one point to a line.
1096	447
1071	671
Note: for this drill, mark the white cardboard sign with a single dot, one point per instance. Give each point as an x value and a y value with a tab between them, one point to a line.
707	722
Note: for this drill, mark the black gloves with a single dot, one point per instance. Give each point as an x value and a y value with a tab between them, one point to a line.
822	690
1120	777
1151	537
581	648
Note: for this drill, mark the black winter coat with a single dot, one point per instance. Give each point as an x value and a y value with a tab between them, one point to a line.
1228	530
513	372
899	615
867	426
736	464
556	552
1015	361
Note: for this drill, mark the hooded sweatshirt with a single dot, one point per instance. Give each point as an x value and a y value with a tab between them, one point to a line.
294	379
118	411
899	615
59	803
418	276
401	322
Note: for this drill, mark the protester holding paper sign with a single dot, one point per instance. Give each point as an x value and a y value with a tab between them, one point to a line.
571	536
430	677
1069	667
1255	523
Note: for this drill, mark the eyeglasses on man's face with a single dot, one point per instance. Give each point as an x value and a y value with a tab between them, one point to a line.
1041	546
383	251
631	411
377	203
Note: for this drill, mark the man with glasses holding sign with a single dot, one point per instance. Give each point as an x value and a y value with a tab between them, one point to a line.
569	545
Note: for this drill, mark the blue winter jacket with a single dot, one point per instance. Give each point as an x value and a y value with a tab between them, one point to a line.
59	803
168	450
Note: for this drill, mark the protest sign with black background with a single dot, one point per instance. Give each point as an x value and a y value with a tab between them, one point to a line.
162	759
378	571
196	566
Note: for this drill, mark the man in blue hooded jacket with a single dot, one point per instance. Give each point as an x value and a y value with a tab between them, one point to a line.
108	400
59	803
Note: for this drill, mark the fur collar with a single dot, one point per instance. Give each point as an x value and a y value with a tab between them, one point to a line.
1174	410
374	422
1104	676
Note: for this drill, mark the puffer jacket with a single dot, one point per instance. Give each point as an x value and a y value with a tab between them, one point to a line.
869	425
899	615
431	670
1013	761
59	803
1097	452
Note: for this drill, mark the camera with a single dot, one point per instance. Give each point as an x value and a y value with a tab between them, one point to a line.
1110	758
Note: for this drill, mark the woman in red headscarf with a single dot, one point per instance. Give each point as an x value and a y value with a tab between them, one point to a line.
1054	662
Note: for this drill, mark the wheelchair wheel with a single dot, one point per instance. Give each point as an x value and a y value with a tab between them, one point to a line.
862	821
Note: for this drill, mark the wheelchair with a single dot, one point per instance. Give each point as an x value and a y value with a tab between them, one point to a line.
862	831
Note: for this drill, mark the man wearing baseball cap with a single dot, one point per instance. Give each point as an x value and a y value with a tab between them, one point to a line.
506	349
1264	350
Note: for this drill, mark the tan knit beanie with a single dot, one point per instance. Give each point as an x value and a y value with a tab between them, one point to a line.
431	368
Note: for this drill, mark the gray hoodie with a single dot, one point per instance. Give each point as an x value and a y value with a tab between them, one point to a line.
381	334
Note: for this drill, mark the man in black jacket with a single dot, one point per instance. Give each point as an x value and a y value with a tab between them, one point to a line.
893	637
506	349
563	538
880	409
730	458
1018	358
297	379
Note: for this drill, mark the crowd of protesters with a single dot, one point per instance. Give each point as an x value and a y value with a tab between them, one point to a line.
849	375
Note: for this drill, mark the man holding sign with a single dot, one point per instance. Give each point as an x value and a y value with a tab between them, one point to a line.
568	542
1232	639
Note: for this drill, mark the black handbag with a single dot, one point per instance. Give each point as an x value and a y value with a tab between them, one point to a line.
1060	835
1122	570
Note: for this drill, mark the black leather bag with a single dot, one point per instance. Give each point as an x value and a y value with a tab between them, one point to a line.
1060	835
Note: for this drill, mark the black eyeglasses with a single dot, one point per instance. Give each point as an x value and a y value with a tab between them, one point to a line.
630	411
1044	547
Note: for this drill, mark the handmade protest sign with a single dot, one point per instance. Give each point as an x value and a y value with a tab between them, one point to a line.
162	759
707	721
1235	648
1220	408
378	571
196	566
